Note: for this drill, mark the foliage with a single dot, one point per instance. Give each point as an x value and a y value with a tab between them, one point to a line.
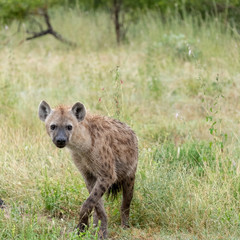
229	9
15	9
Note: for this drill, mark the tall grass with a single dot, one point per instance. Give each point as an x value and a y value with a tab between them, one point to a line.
187	184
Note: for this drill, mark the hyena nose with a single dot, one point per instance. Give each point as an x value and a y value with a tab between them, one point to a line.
61	142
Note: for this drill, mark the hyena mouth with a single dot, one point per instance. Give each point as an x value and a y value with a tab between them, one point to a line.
60	145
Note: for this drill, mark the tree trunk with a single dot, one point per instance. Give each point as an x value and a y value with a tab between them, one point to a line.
116	17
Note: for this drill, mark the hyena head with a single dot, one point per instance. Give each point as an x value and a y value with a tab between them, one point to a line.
60	122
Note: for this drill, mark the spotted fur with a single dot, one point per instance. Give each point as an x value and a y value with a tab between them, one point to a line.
104	150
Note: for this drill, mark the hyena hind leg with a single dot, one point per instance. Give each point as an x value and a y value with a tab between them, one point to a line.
128	186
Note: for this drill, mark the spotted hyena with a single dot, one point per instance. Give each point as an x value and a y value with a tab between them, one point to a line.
104	150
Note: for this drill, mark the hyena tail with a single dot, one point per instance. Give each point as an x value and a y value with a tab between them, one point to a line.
114	190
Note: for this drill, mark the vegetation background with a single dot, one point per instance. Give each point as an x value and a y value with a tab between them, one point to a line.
173	77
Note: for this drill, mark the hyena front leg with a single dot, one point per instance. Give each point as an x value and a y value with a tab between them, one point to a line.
128	185
92	201
102	216
99	210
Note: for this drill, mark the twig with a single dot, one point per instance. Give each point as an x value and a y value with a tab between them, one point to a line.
49	31
39	34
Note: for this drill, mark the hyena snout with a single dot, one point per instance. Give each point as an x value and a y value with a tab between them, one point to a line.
61	139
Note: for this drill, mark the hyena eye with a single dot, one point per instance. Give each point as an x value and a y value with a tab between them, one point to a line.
69	127
53	127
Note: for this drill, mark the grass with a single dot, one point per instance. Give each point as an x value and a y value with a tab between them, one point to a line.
172	76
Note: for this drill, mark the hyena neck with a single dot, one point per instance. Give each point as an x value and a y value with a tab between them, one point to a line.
81	140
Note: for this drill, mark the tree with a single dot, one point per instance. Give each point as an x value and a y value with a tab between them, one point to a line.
21	10
123	12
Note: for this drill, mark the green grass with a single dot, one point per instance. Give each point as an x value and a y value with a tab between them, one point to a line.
173	75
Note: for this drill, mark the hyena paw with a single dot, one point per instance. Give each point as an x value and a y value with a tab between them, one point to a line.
81	227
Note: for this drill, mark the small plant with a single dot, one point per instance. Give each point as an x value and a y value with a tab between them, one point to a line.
52	197
60	199
155	86
114	107
90	234
118	94
151	75
213	117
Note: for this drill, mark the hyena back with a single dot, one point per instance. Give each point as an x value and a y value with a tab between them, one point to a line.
104	150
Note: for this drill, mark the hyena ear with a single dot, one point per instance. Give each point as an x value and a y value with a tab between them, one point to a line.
79	111
44	110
